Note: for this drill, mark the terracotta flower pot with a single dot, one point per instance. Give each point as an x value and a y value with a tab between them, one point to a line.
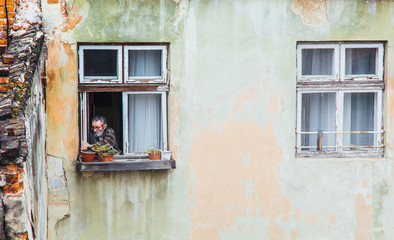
154	156
87	156
105	158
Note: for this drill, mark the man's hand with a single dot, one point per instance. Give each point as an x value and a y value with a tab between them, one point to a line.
85	146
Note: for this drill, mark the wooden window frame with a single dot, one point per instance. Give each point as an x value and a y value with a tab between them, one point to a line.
148	85
146	79
340	85
100	79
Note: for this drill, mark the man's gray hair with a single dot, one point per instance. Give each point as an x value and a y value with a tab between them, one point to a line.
99	118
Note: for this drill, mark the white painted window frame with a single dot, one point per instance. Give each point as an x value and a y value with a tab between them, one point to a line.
84	118
378	63
125	101
146	79
99	79
334	77
378	141
366	83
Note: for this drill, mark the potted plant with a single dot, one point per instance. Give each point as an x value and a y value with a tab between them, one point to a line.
154	153
87	155
105	152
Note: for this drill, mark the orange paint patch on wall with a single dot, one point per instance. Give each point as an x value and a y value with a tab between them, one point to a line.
390	98
218	193
243	96
174	115
71	22
62	100
363	213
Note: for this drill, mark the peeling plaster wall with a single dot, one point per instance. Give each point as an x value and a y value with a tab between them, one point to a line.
36	164
231	124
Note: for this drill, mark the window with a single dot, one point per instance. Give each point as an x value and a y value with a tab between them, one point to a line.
128	85
340	99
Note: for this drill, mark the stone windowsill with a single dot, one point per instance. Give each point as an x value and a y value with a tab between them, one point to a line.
126	163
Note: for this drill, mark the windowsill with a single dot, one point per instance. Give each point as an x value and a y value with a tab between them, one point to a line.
123	163
353	154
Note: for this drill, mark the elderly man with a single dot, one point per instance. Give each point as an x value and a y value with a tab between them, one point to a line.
100	133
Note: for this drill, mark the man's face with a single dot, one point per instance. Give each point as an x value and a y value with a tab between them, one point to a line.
98	127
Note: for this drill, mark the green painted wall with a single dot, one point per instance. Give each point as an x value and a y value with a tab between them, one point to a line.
231	125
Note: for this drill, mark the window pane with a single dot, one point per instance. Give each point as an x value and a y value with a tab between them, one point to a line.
360	61
359	115
318	113
317	61
144	121
143	63
100	63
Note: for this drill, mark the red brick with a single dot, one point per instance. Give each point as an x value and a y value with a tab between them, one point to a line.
11	14
9	2
2	14
3	22
10	8
4	80
12	168
4	88
15	178
13	188
21	236
11	21
2	2
8	58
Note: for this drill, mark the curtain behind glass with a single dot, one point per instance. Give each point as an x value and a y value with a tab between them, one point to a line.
144	121
318	113
360	61
359	109
317	61
144	63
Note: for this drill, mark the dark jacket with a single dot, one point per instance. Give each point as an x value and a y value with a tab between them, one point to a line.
108	137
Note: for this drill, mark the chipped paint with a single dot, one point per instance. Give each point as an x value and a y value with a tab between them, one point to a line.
313	13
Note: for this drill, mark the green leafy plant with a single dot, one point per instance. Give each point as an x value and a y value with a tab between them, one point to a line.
105	149
153	150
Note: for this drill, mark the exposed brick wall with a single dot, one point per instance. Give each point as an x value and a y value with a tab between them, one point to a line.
16	77
7	18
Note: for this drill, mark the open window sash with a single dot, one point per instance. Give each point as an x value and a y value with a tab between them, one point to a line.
144	121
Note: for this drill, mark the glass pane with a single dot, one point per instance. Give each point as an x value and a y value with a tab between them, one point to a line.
100	63
318	113
144	121
317	61
360	61
359	115
144	63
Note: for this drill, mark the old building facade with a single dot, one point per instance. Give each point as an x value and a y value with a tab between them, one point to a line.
278	115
